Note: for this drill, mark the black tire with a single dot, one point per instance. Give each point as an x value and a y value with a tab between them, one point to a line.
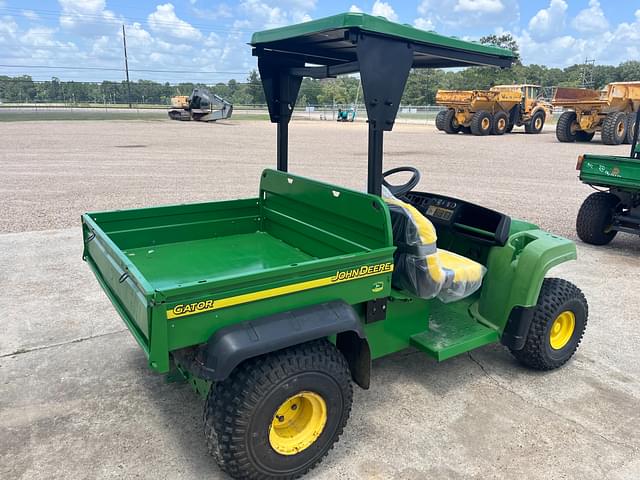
509	128
500	123
631	125
239	411
536	124
481	123
451	125
557	296
583	136
614	128
595	217
465	130
565	128
440	120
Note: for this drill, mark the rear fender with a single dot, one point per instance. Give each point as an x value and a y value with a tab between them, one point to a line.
232	345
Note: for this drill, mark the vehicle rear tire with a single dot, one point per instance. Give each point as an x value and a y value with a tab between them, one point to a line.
451	125
567	128
500	123
593	224
481	123
583	136
614	128
509	128
277	415
631	125
465	130
558	324
440	120
536	124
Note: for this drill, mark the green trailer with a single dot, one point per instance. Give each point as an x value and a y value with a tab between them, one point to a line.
615	206
272	306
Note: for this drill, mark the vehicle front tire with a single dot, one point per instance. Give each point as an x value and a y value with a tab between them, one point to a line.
614	128
558	324
536	124
593	224
567	128
481	123
276	416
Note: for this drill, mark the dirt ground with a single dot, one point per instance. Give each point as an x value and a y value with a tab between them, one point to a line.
76	398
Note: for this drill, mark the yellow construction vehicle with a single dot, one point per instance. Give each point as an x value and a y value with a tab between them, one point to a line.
608	111
201	105
495	111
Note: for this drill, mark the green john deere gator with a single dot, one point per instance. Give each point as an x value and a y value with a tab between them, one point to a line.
615	207
272	306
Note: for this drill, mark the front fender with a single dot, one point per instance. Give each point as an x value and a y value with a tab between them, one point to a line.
516	271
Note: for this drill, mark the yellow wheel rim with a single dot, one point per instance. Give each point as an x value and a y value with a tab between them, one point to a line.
502	124
485	123
538	123
621	128
562	329
298	423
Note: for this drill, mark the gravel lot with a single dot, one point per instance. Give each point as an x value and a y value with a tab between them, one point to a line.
76	398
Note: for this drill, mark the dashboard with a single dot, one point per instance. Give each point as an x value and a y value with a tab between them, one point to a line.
463	218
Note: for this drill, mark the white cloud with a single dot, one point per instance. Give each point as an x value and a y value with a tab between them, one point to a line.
30	15
455	15
485	6
88	17
549	22
591	20
424	24
383	9
165	22
355	9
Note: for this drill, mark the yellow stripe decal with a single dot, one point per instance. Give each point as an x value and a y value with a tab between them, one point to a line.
183	310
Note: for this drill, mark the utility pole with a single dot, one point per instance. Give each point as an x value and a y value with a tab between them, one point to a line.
126	65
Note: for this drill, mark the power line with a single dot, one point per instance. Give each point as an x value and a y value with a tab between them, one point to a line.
113	69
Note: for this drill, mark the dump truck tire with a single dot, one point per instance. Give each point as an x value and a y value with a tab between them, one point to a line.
582	136
614	128
500	123
481	123
558	324
536	124
451	125
510	128
565	128
593	224
440	120
308	386
465	130
631	125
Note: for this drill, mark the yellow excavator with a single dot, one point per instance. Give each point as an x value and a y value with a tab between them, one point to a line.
201	105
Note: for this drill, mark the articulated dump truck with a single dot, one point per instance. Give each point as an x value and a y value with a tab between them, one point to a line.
608	111
201	106
495	111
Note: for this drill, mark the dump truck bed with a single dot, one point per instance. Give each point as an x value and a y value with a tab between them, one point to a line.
176	274
479	99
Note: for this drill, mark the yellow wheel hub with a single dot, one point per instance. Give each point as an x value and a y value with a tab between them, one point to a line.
502	123
562	329
538	123
298	423
485	123
621	128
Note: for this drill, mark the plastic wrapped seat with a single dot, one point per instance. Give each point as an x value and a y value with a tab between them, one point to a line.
420	267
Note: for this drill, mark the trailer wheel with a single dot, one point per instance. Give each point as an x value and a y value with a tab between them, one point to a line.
440	119
614	128
567	127
558	324
536	124
584	136
451	125
595	217
481	123
631	125
276	416
500	123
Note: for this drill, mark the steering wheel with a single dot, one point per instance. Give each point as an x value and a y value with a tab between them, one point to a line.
400	190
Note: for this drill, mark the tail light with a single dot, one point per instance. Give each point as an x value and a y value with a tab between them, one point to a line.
580	160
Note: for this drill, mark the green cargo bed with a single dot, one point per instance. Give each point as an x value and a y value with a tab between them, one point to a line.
178	273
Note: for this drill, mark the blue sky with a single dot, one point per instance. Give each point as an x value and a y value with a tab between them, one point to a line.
205	40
